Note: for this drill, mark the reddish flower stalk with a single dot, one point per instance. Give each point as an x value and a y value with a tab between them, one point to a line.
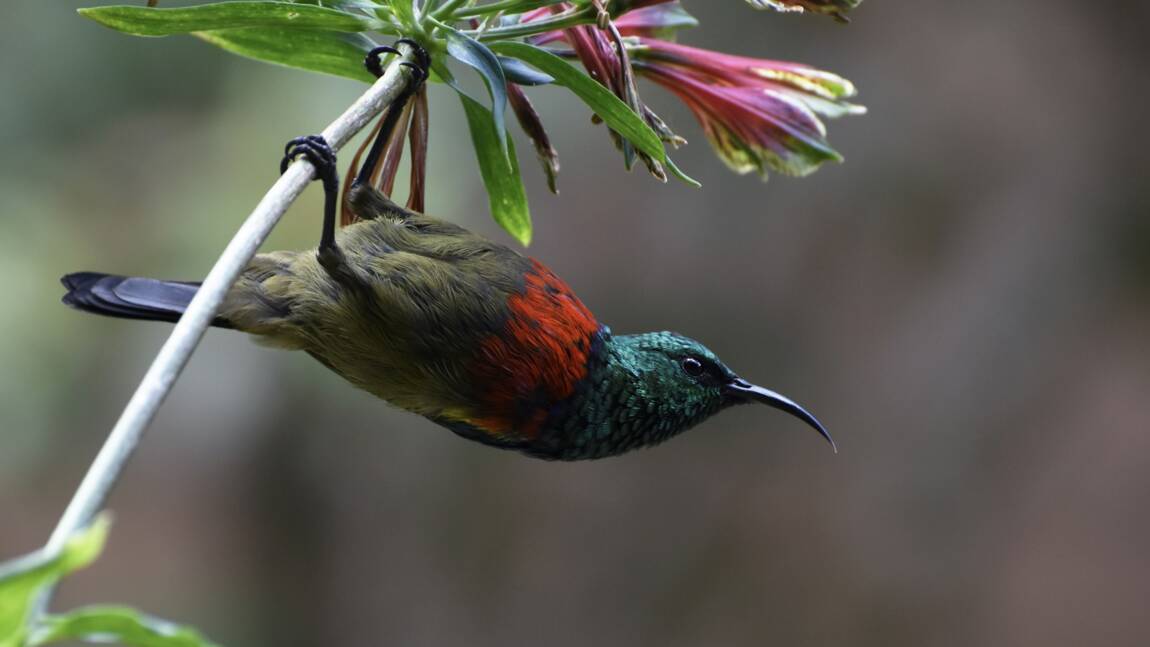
412	126
417	141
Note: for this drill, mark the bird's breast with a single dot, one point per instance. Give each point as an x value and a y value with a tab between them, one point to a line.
536	360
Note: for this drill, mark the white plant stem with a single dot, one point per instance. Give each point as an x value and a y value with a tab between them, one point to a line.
93	491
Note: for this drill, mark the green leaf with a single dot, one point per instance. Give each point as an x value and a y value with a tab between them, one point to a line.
500	170
364	5
519	7
680	175
609	107
122	625
520	73
316	51
23	580
146	21
404	10
471	52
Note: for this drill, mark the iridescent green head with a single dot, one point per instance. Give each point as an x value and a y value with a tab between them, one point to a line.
647	388
692	380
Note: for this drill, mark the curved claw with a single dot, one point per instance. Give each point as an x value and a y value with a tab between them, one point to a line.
420	73
317	151
304	139
420	53
372	63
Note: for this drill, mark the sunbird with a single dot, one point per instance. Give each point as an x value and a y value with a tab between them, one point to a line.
462	330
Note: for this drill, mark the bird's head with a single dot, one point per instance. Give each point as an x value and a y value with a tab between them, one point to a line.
680	382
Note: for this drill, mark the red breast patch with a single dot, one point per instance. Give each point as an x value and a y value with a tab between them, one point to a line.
537	359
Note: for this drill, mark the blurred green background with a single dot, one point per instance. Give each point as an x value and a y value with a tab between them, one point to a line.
964	303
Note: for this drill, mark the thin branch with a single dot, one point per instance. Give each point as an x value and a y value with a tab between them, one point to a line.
177	350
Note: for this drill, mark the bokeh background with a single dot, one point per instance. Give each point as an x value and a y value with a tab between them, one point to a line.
965	302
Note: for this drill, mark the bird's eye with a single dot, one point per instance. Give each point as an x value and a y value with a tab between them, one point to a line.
692	366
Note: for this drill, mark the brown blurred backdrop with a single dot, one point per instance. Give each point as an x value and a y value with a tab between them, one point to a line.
964	303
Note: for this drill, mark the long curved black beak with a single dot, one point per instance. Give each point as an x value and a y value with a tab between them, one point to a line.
740	390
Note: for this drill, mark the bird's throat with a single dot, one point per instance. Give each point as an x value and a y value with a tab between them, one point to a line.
620	405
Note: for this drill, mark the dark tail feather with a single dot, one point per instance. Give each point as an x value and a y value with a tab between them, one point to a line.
130	297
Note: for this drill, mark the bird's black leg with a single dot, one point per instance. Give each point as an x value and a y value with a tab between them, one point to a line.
317	151
419	75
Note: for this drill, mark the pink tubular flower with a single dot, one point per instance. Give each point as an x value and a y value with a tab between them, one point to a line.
836	8
656	20
758	114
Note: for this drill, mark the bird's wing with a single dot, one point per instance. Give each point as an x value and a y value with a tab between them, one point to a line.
451	325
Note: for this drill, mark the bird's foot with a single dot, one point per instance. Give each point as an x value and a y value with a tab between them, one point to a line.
419	68
315	149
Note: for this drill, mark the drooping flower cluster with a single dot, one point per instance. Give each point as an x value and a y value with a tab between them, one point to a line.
760	115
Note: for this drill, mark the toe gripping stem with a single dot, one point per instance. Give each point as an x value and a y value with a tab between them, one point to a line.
419	67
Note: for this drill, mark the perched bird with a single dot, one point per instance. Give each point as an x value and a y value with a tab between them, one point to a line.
459	329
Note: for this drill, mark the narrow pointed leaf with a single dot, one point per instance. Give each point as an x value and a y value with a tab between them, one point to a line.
520	73
146	21
499	167
121	625
532	125
316	51
471	52
681	176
